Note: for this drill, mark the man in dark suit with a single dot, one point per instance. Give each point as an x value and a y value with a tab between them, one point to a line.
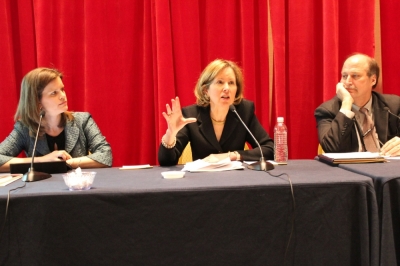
340	121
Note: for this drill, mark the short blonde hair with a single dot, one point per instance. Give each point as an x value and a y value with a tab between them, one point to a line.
209	74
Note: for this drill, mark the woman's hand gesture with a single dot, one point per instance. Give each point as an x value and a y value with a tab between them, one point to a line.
175	119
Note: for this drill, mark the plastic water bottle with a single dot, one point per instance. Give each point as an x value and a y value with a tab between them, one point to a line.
280	141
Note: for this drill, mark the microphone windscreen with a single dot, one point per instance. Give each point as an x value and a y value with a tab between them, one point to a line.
232	108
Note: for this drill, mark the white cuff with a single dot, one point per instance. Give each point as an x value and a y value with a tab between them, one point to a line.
348	113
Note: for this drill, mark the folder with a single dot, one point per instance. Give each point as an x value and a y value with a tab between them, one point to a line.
351	157
45	167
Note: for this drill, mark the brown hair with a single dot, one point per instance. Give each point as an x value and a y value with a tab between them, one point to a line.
373	70
32	86
209	74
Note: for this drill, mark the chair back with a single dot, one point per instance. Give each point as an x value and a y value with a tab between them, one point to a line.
186	155
320	150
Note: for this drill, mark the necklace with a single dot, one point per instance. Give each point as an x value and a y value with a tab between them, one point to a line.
217	122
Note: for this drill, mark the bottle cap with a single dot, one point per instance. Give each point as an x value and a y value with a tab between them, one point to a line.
280	119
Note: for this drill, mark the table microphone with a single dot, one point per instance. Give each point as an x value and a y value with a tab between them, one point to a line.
388	110
32	175
262	165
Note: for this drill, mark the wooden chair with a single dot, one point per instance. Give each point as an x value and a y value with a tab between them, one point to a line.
186	155
320	150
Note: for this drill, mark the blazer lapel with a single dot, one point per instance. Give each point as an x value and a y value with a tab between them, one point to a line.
42	148
229	128
206	128
380	119
71	136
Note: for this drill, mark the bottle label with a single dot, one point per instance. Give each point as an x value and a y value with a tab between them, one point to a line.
281	148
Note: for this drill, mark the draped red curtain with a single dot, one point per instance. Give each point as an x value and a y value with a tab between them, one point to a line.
311	40
124	60
390	41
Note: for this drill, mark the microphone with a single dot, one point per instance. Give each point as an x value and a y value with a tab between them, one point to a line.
262	165
388	110
32	175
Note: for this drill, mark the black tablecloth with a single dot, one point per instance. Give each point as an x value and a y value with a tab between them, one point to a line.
387	185
243	217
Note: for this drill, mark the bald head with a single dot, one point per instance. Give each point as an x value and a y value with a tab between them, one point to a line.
365	62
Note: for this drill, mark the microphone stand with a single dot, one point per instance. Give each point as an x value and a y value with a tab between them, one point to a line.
388	110
261	165
32	175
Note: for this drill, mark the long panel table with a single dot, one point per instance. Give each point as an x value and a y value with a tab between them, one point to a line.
241	217
386	178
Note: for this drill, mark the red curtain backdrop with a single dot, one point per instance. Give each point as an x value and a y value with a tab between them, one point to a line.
390	41
311	39
124	60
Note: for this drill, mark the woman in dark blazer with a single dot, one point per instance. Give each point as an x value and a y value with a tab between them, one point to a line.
212	129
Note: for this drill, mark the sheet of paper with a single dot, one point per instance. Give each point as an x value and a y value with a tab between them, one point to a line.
134	167
270	161
222	165
353	155
389	158
8	178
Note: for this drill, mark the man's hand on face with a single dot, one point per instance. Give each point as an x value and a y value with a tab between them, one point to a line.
344	95
341	92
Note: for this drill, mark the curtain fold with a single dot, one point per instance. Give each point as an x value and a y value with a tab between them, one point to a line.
17	56
390	42
123	61
311	40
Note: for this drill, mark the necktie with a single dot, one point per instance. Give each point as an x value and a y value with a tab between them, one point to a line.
369	132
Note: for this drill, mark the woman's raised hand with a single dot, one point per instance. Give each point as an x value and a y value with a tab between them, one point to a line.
174	117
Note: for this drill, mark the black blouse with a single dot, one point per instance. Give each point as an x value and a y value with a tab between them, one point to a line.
56	143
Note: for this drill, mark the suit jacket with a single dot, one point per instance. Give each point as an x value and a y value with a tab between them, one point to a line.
234	136
81	137
337	132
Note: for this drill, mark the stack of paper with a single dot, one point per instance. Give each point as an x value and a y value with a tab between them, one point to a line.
203	166
8	178
351	157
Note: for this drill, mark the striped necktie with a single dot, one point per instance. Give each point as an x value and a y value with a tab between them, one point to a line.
369	132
